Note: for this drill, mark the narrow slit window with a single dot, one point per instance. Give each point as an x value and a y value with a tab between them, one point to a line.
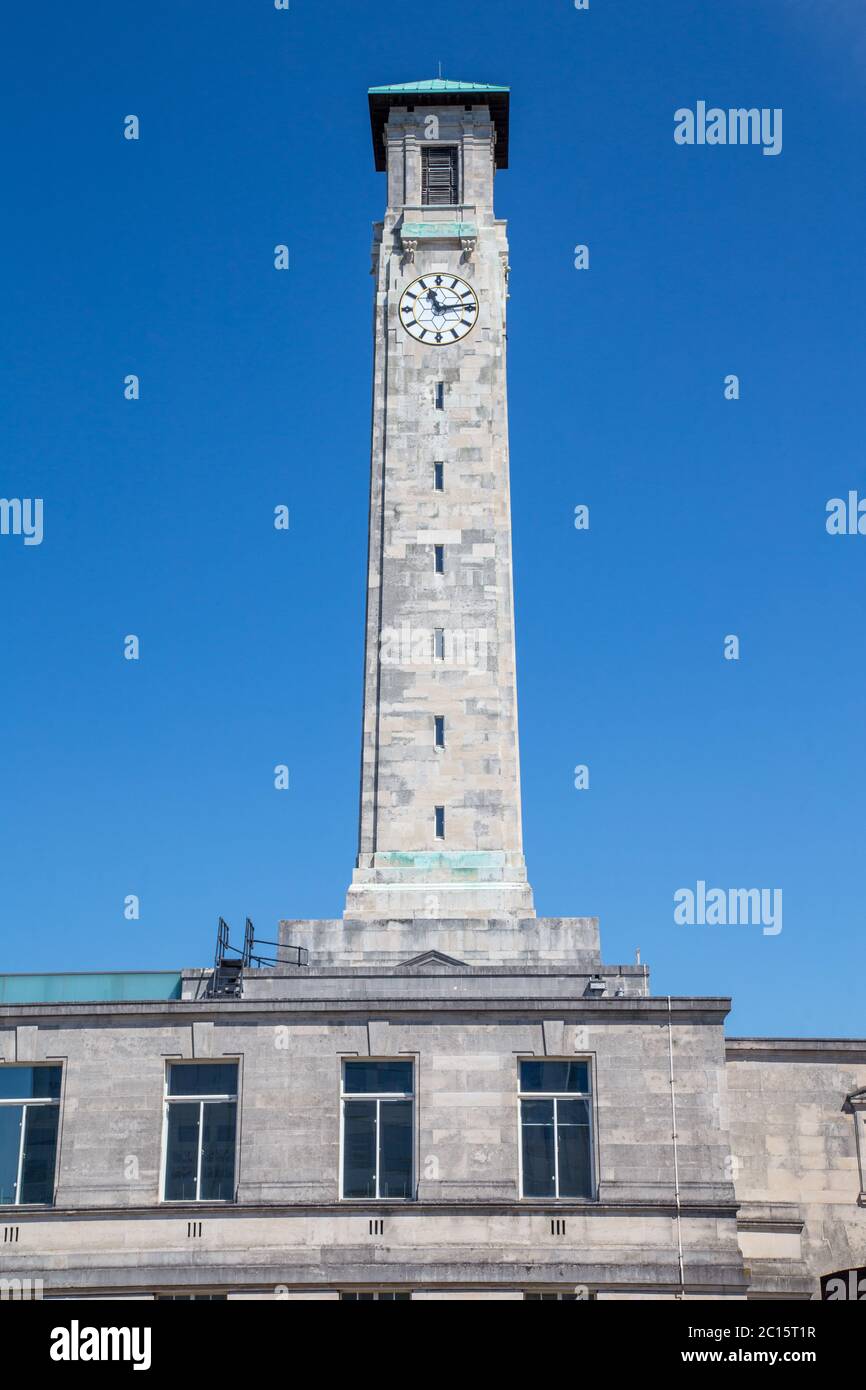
439	395
439	643
439	730
439	477
439	558
440	822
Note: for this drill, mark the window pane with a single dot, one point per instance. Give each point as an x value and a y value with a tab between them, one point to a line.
359	1148
370	1078
192	1297
218	1152
30	1083
203	1079
395	1147
554	1076
575	1150
40	1149
539	1178
10	1145
181	1157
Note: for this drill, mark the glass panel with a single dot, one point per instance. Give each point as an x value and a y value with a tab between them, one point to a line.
40	1150
203	1079
395	1148
359	1148
371	1078
575	1150
10	1146
218	1152
554	1076
192	1297
30	1083
181	1153
536	1123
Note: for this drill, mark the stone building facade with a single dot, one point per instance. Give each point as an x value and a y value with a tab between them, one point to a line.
440	1095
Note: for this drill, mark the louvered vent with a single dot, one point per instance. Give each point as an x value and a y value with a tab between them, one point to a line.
439	175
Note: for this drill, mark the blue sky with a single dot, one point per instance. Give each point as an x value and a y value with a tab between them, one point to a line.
155	778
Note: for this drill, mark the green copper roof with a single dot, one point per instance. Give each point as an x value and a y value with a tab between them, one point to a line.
439	91
438	84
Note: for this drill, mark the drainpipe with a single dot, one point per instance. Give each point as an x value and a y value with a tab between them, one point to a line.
676	1155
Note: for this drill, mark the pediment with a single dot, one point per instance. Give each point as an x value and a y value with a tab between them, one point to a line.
436	959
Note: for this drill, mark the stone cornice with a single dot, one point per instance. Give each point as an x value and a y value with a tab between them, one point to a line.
364	1004
795	1049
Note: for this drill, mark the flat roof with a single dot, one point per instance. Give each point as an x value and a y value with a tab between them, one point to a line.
439	91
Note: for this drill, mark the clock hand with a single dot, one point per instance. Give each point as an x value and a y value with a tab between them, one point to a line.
438	306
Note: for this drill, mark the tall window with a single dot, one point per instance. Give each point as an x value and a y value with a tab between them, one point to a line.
439	477
439	559
29	1120
439	643
440	181
377	1129
556	1129
439	730
439	395
440	822
200	1127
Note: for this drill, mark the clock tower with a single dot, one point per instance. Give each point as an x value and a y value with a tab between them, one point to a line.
440	822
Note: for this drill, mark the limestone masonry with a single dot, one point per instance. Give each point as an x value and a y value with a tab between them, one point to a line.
439	1095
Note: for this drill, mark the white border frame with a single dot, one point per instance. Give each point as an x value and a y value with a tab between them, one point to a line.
204	1100
378	1096
589	1059
26	1103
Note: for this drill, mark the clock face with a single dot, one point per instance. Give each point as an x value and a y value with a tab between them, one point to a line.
438	309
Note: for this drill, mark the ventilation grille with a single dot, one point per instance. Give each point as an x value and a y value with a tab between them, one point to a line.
439	176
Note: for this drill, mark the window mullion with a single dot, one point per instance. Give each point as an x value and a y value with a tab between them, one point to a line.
199	1150
556	1145
20	1173
378	1141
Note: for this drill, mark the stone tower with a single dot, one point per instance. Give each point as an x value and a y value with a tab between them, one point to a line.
440	822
